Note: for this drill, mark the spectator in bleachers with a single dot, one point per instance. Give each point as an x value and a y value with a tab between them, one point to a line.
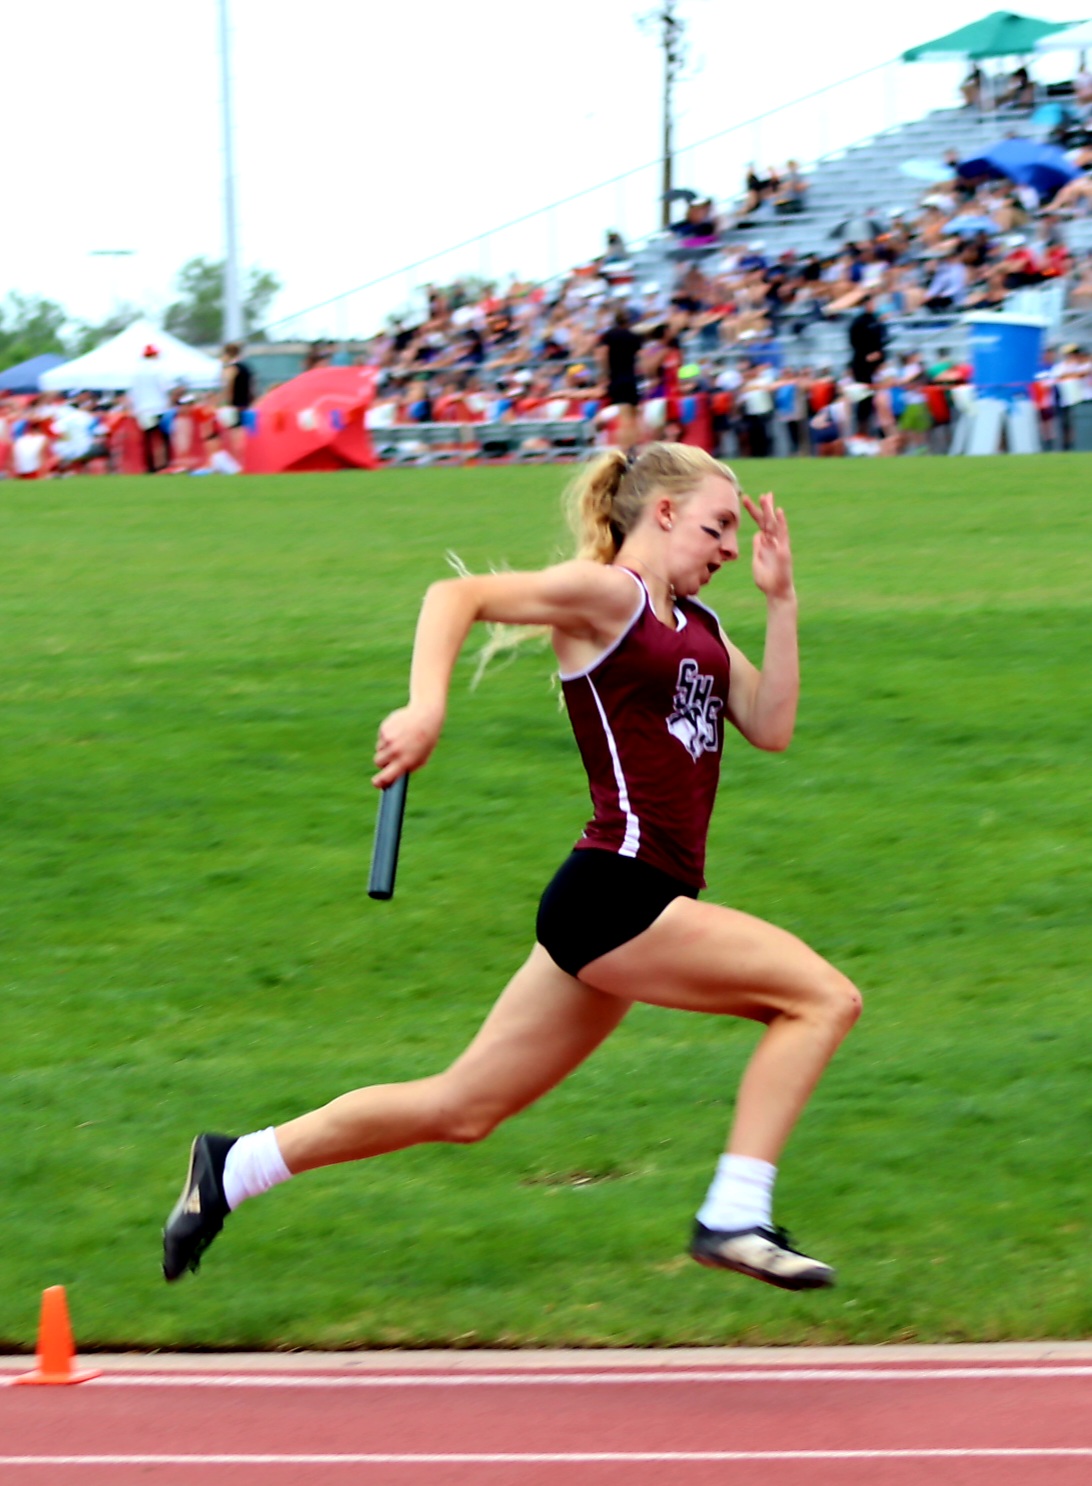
690	290
1055	259
470	348
1019	91
615	249
792	192
898	293
1075	197
756	192
749	320
699	225
865	272
1021	264
971	87
782	283
948	285
1080	292
989	292
709	322
932	225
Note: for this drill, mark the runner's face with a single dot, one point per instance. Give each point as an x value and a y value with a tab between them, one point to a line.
706	534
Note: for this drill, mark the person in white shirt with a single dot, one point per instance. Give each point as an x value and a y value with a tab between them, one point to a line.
756	400
72	430
30	451
149	398
949	283
1071	374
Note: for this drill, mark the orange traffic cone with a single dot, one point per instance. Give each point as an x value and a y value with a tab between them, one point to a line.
55	1349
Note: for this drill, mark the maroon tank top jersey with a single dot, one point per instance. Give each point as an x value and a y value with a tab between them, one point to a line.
648	720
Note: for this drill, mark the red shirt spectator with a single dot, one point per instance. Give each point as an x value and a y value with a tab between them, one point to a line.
1056	261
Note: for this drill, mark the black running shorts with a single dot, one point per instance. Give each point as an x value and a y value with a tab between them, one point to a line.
625	394
599	900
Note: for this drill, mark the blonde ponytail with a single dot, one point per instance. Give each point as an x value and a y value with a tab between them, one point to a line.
606	499
591	499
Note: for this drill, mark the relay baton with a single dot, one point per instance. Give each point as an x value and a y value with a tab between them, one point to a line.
388	835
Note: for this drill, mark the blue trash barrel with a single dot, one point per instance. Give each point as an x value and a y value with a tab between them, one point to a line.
1006	353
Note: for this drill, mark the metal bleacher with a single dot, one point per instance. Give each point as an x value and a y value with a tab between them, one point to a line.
522	441
865	182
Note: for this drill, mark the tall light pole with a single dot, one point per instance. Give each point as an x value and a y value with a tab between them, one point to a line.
671	30
233	303
674	56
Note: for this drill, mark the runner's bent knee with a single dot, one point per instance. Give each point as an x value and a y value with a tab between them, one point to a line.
834	1000
462	1115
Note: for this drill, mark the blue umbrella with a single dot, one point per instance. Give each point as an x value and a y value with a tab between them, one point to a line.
1044	167
967	226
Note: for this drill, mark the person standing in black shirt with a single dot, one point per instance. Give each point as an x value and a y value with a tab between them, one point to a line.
619	348
236	397
867	339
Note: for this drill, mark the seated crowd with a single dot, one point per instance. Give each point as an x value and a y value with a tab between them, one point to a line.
50	434
1018	92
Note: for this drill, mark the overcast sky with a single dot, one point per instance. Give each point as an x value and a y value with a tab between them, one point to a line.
370	136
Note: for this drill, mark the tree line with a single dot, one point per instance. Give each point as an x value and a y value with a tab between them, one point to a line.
31	325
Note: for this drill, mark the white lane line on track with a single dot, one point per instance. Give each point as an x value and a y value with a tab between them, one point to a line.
575	1379
590	1457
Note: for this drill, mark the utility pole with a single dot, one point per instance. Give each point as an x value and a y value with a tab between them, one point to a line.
674	56
233	304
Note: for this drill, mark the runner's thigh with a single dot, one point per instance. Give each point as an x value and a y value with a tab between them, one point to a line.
544	1024
702	957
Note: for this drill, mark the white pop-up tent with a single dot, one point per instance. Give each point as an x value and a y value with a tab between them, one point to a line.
113	366
1075	38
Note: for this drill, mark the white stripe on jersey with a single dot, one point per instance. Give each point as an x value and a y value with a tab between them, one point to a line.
632	839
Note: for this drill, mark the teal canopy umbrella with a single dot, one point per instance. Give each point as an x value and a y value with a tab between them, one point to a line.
1000	34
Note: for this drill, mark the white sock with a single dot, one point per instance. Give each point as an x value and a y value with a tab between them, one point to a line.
253	1165
740	1196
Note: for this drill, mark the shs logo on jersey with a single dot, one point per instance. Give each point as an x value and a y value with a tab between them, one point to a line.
694	720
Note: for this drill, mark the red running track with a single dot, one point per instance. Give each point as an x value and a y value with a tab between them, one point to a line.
654	1423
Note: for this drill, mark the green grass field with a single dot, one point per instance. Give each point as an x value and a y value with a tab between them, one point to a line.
192	672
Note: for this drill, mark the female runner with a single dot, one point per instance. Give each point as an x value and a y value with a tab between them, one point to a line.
649	678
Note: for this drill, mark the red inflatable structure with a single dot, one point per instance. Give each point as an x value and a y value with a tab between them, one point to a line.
313	422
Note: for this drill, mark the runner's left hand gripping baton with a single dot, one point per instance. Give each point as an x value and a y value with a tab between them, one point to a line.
388	835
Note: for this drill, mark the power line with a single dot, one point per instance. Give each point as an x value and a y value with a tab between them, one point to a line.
613	180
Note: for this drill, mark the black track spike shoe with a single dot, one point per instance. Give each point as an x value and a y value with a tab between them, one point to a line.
199	1213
